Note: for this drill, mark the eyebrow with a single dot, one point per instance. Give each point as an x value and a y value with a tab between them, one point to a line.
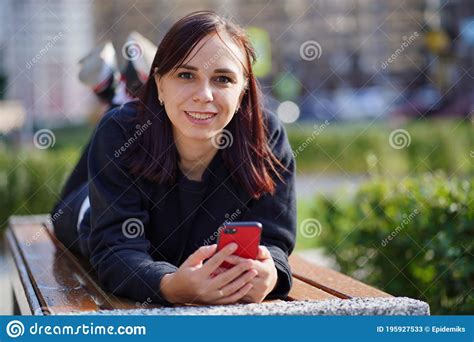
220	71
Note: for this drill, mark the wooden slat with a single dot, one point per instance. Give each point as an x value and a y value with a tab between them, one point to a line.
23	290
116	302
59	283
331	281
303	291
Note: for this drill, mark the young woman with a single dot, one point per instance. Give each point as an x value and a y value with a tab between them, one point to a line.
166	171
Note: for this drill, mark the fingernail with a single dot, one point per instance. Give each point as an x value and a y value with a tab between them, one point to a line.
233	247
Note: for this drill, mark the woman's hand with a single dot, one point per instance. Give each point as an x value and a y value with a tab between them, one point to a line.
267	277
197	282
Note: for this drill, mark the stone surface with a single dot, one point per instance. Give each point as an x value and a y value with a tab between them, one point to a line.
355	306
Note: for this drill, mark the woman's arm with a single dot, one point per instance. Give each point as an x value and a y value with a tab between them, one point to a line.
118	250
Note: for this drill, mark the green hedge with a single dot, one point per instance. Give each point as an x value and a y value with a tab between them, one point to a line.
30	182
360	148
413	237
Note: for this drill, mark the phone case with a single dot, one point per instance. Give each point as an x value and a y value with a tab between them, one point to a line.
245	234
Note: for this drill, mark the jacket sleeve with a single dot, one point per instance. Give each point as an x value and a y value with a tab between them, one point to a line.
277	212
117	243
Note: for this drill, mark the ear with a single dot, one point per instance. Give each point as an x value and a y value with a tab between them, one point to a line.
159	83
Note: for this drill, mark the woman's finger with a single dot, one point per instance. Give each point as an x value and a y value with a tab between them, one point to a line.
217	259
218	271
239	282
235	296
229	275
235	259
201	254
263	253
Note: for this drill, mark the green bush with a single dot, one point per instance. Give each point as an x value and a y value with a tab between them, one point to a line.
358	148
413	237
30	181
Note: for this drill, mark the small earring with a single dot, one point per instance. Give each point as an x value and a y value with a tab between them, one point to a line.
161	102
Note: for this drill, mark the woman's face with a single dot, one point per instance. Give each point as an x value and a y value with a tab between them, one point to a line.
202	95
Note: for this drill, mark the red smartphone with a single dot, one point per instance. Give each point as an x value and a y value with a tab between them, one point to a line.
245	234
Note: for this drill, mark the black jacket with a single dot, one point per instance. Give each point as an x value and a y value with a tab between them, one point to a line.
137	231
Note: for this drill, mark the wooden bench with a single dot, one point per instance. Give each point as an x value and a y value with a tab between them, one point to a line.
48	279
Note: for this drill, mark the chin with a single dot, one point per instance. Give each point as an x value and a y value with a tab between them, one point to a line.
199	133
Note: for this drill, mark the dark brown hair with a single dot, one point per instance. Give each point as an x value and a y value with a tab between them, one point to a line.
155	157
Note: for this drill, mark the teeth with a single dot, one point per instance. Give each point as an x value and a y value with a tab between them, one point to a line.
200	116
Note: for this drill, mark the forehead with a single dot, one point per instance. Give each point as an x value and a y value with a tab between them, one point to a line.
217	51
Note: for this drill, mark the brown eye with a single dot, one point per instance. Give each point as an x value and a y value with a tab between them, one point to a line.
224	79
185	75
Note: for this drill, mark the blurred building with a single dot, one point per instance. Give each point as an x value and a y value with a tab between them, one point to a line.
363	43
355	35
42	42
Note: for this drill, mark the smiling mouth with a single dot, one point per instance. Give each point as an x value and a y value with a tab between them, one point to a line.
200	115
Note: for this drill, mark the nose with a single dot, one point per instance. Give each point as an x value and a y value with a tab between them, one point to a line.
203	93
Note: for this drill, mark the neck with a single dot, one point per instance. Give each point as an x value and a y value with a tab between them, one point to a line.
195	156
